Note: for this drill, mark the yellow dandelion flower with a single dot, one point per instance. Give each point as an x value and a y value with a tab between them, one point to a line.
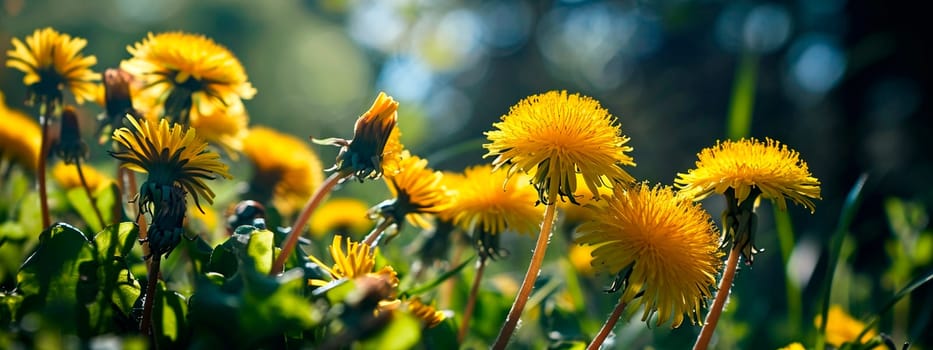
770	167
341	215
227	129
20	138
375	148
359	260
66	176
417	192
52	62
483	203
429	315
842	328
668	247
286	169
171	155
188	72
793	346
557	135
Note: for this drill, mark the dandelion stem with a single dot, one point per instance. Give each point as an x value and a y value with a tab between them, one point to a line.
90	196
129	180
372	239
292	240
608	326
153	275
725	285
511	320
471	300
44	110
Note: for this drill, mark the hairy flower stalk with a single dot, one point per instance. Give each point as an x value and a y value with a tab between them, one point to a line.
553	137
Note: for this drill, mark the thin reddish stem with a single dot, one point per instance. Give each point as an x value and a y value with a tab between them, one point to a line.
608	326
40	169
146	326
372	239
471	300
725	285
292	240
511	321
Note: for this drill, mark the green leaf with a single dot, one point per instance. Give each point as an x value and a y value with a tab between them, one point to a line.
261	248
9	307
79	201
30	213
414	291
402	332
61	275
116	241
224	257
170	315
118	286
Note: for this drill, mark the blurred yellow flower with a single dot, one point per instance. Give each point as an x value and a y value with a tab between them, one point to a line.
345	216
581	257
842	328
66	176
426	313
557	135
285	168
375	148
483	203
52	62
669	246
359	260
188	72
769	167
793	346
20	137
417	191
171	155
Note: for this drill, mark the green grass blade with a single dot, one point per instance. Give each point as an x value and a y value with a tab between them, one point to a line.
897	297
785	233
437	281
849	208
743	97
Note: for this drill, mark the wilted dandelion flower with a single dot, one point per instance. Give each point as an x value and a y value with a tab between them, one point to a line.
375	148
770	167
556	135
841	328
66	175
188	72
417	191
69	146
52	62
20	138
485	208
116	96
667	248
171	155
341	215
286	170
358	260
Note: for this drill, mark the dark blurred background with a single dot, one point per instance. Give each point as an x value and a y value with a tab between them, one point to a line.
845	83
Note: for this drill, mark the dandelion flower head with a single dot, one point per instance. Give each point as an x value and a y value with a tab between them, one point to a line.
669	246
483	203
284	166
375	148
770	167
191	66
556	135
53	61
417	191
358	260
843	328
20	137
171	155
